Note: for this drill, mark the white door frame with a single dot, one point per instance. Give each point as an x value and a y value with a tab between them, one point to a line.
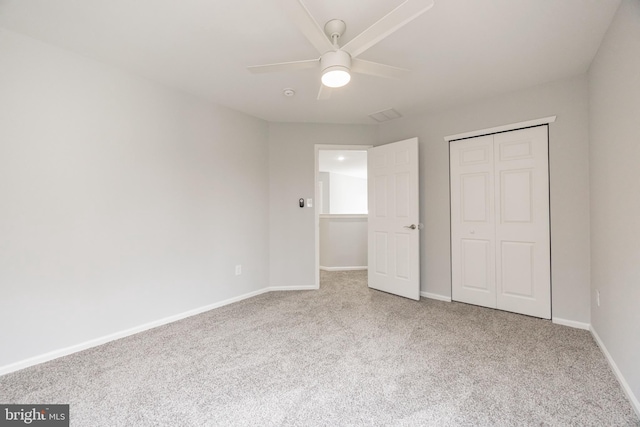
316	211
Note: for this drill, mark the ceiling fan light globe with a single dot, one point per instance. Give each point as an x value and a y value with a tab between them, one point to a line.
336	76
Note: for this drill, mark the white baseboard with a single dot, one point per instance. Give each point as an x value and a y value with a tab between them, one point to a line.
16	366
625	386
571	323
435	296
291	288
361	267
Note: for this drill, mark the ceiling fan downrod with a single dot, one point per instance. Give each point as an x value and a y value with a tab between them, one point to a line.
334	29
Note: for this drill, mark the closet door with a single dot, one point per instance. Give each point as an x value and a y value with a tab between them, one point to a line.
523	255
473	221
500	245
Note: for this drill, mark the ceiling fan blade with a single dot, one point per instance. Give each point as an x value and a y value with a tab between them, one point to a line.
380	70
388	24
300	15
284	66
324	93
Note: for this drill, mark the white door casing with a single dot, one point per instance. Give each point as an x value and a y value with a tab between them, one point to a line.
394	232
500	221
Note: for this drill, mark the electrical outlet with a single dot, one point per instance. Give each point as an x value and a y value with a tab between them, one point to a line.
238	270
598	297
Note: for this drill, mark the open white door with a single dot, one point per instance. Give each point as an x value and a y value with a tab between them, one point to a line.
394	233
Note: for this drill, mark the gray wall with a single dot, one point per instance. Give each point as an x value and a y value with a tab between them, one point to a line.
614	93
325	179
121	202
348	195
291	176
343	242
569	173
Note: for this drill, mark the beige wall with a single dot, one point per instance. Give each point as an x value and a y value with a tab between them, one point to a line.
614	115
569	177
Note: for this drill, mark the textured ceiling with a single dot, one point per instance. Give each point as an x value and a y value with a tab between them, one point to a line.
459	51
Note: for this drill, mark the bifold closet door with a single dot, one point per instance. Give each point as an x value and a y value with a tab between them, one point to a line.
473	221
523	247
500	221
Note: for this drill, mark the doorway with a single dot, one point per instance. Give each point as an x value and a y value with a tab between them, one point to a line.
341	212
392	225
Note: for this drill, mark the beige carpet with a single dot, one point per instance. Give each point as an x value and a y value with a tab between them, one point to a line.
344	355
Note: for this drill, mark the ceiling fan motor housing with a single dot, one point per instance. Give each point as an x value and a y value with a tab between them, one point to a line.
337	58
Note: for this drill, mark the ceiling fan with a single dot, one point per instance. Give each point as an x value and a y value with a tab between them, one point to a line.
337	63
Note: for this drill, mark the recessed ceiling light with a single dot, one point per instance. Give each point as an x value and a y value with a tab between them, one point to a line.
340	158
288	92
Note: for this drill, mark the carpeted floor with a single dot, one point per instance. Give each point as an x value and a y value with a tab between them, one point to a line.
343	355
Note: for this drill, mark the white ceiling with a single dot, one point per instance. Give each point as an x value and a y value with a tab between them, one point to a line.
344	162
459	51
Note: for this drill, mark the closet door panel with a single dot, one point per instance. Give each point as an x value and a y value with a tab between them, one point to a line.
473	221
523	256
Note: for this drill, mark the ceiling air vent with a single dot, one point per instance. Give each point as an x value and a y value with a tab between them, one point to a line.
384	115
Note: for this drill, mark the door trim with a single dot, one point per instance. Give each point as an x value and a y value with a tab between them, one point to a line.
503	128
316	212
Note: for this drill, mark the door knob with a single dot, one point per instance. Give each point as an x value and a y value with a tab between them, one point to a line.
412	226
